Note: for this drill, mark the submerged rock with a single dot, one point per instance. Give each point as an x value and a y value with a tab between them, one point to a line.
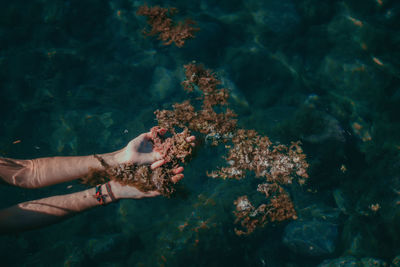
372	262
311	238
107	247
396	261
163	84
277	15
75	259
348	261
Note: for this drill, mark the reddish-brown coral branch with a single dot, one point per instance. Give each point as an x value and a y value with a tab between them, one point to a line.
162	25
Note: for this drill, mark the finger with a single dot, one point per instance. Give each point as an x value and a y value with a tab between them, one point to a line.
148	158
148	135
193	144
176	178
190	139
160	131
152	193
177	170
154	156
157	164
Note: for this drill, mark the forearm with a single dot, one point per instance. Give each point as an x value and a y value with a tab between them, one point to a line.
48	171
42	212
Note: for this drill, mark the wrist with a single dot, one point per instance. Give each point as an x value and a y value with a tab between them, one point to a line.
115	158
104	194
110	193
115	188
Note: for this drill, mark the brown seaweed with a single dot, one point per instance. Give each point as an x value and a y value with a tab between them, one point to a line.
175	150
248	151
161	23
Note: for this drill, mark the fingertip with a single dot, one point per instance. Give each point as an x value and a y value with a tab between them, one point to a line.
178	170
177	178
148	135
190	139
153	193
157	164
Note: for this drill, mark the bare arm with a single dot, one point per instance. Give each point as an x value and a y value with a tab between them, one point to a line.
38	213
47	171
42	172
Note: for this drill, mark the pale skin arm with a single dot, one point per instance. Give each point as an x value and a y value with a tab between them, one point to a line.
38	213
42	172
42	212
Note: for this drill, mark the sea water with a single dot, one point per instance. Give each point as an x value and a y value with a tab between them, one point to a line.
79	77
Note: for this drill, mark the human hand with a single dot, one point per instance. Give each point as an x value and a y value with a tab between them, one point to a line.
140	151
128	191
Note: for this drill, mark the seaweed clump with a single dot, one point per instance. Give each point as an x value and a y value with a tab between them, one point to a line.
278	164
168	31
248	151
175	150
279	208
252	152
215	125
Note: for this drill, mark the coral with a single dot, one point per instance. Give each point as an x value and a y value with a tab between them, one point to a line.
162	25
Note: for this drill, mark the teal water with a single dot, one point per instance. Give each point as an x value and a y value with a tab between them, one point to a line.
78	77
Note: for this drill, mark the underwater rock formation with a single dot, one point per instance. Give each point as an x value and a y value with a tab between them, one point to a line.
311	238
352	261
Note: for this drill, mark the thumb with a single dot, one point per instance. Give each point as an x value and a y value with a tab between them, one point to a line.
157	164
151	157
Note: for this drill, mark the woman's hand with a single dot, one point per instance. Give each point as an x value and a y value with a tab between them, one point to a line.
140	151
127	191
